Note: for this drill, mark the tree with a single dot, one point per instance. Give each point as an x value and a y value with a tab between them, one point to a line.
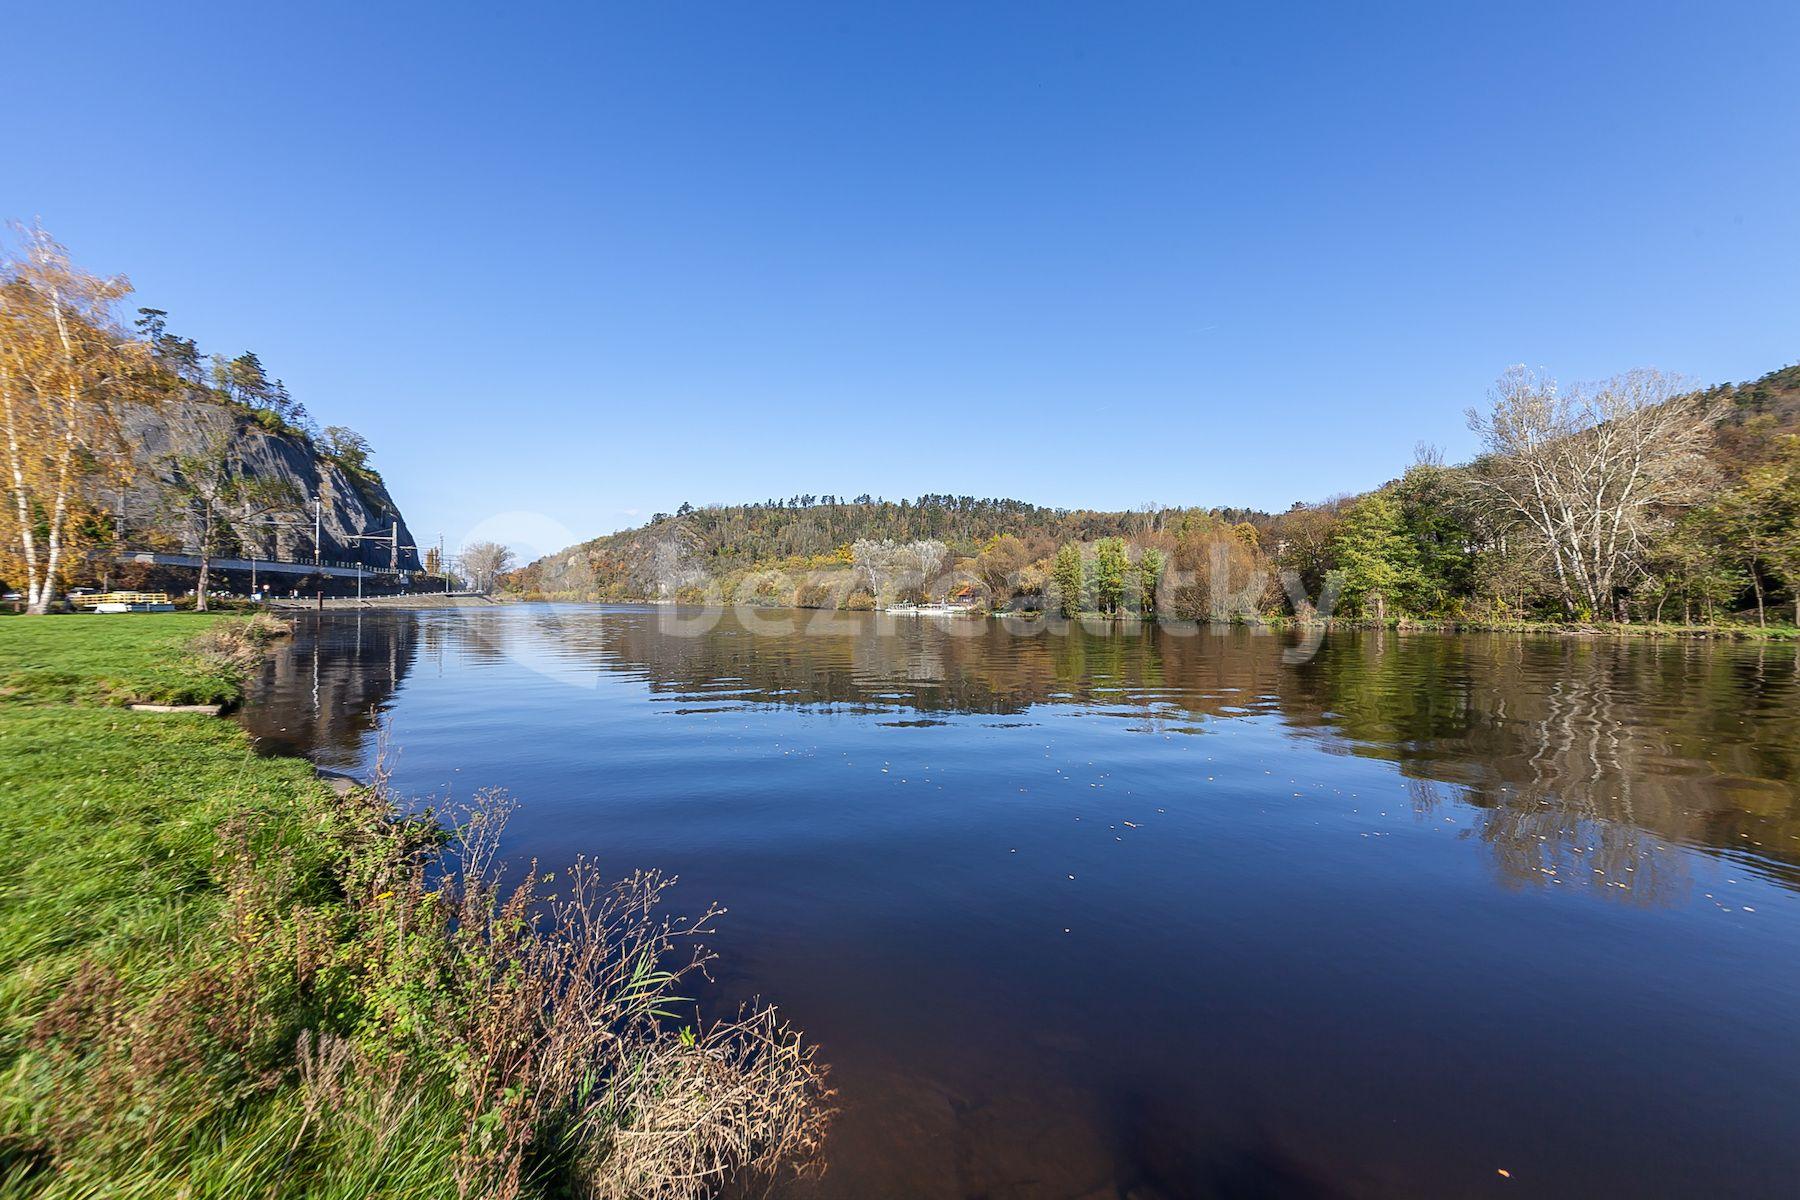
210	489
1112	566
1434	513
151	324
1068	580
998	565
1594	475
1759	520
347	446
178	356
1691	562
1221	575
1377	562
1150	569
898	571
246	380
63	362
484	561
1303	537
290	410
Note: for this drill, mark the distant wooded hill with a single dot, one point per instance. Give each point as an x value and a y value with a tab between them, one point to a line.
1699	493
1757	413
819	531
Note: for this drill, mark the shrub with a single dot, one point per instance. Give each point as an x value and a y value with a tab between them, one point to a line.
492	1039
814	594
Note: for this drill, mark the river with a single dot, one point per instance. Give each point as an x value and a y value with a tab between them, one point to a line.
1167	912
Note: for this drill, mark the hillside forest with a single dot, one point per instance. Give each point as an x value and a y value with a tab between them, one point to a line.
1639	498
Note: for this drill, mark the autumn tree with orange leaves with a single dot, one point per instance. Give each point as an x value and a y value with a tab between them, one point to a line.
64	362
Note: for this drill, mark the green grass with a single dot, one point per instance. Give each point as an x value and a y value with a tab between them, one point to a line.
113	658
181	919
110	826
111	829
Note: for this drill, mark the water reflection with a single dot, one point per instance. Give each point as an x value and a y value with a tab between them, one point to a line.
1589	756
323	693
1144	912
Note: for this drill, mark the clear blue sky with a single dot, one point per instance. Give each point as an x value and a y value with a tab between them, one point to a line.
591	263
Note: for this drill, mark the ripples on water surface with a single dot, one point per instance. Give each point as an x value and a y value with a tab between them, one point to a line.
1152	913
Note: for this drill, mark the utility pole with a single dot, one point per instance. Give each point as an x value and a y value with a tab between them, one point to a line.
118	542
318	524
443	566
318	554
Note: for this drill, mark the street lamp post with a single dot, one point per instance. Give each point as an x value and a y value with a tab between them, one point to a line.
318	554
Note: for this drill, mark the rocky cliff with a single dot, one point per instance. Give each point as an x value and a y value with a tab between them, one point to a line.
354	501
653	563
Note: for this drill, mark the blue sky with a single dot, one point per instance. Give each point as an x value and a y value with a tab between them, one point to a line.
587	263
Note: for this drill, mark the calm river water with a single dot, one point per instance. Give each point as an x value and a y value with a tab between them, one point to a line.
1156	913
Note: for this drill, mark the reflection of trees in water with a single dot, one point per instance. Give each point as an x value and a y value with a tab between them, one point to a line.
1586	757
322	693
980	667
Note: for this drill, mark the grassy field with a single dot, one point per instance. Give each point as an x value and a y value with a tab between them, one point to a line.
113	659
219	978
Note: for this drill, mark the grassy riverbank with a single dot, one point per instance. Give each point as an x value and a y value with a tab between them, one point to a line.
218	978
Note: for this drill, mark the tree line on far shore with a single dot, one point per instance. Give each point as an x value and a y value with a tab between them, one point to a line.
1640	498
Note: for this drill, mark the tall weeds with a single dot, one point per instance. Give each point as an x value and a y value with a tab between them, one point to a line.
403	1017
236	647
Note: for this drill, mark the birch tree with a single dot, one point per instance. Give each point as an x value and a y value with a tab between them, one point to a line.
1595	474
63	362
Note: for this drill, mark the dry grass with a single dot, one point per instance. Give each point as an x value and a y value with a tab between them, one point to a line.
575	1064
238	646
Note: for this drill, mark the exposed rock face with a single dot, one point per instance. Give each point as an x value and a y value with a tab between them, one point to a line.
651	564
354	503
